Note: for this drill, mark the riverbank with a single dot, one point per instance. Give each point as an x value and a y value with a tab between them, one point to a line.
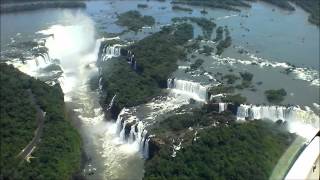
30	6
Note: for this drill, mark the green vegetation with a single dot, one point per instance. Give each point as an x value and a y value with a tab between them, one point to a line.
206	25
244	84
131	88
284	4
231	78
156	57
142	5
312	7
221	89
235	151
222	43
40	5
219	34
196	64
57	155
134	20
246	81
235	99
246	76
207	50
175	7
226	4
275	96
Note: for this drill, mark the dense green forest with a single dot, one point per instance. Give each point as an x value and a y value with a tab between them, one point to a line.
8	6
221	148
13	1
275	96
156	58
57	155
134	21
205	24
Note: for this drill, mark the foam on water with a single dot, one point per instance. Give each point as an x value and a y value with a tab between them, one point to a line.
305	74
227	17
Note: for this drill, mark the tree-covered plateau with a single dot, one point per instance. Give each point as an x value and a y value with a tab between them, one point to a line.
57	155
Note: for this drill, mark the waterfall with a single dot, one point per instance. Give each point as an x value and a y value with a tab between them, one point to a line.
42	60
303	122
222	107
146	149
275	113
119	121
193	89
131	59
100	83
123	131
144	144
137	135
109	52
111	102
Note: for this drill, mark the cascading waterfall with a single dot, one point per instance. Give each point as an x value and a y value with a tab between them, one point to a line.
137	135
43	61
100	83
274	113
132	60
193	89
223	107
109	52
111	102
303	122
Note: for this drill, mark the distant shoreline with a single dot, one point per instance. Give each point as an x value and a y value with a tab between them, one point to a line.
30	6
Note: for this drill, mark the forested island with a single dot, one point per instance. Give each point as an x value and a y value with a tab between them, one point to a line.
206	25
57	154
134	21
11	6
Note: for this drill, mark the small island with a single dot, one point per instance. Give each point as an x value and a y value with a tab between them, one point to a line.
275	96
134	21
180	8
